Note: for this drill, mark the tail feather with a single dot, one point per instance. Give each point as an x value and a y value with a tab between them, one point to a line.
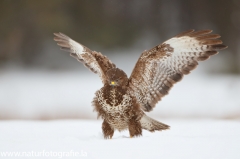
151	124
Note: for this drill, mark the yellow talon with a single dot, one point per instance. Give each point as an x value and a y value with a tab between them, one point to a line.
131	136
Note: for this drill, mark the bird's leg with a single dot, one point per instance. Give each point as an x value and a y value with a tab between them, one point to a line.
107	130
135	128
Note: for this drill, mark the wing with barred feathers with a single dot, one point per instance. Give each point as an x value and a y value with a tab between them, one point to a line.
93	60
158	69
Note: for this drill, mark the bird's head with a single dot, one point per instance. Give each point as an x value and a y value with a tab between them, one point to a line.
116	77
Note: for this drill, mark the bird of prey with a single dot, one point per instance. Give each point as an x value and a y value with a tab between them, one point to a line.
122	101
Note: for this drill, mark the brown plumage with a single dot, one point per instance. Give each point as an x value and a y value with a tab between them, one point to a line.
121	102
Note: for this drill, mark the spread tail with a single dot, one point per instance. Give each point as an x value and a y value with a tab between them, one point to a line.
152	125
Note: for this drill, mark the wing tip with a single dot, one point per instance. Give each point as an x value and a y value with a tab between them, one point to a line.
219	47
60	36
193	33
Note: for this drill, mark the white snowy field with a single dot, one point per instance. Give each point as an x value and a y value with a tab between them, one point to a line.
195	109
187	139
38	94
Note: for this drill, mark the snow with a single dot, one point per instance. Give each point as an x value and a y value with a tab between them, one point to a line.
195	138
196	109
38	94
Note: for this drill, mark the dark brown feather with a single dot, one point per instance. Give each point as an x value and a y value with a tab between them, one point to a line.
108	131
202	58
208	36
177	77
147	107
210	53
211	41
218	47
192	65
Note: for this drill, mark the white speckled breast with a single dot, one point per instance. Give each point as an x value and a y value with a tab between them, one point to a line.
116	113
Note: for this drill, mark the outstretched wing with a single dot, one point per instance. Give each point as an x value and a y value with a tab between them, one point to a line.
159	68
93	60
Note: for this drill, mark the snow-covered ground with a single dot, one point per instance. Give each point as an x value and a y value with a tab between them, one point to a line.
196	109
187	139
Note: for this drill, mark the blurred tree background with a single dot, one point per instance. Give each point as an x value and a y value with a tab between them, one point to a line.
27	25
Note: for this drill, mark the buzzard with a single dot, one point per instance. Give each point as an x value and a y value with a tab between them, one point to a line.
122	101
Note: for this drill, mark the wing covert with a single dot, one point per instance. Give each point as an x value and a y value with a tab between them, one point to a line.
158	69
